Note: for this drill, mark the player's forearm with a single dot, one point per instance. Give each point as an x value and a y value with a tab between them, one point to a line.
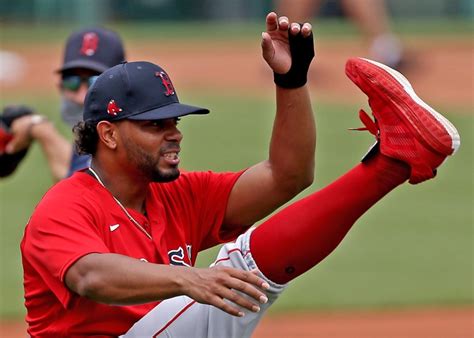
117	279
57	149
288	49
120	280
289	168
292	148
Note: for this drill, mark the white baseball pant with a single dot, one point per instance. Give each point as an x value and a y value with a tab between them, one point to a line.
182	317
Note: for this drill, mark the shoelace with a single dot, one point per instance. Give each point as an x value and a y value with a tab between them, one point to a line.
368	123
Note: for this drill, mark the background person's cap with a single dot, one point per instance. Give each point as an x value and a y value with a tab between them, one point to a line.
135	91
96	49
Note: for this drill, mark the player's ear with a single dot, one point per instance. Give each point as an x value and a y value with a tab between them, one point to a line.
107	132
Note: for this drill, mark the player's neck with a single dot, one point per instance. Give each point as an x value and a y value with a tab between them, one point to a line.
130	191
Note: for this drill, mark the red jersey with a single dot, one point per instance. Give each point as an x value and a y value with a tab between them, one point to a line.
78	216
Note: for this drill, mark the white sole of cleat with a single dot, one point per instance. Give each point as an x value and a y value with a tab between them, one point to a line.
448	126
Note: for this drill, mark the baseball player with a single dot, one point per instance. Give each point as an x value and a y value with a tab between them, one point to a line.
110	251
88	53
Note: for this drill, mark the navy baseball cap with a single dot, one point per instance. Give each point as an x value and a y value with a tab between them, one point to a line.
97	49
135	91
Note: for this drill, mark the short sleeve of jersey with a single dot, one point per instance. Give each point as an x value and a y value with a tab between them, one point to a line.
62	230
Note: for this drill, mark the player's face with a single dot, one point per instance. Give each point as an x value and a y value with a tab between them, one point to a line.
153	147
75	83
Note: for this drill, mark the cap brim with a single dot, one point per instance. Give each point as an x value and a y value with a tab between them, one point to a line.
86	64
168	111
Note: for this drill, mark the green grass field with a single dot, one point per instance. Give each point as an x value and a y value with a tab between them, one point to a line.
414	248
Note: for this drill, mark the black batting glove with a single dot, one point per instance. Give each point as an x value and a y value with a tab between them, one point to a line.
302	53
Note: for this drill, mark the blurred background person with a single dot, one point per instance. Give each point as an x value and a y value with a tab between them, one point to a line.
371	18
88	52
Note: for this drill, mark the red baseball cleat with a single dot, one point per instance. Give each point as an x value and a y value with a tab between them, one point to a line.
406	128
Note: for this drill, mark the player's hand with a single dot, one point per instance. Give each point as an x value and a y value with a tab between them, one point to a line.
275	43
21	129
218	286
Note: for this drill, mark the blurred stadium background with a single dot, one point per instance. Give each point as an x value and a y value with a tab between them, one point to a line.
412	251
93	11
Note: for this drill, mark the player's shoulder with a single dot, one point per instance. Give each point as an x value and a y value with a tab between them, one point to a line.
72	202
71	187
77	189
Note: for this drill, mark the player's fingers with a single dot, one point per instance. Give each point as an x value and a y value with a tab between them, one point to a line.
272	22
226	307
267	47
306	29
295	28
249	290
283	23
10	148
236	298
15	145
255	271
249	277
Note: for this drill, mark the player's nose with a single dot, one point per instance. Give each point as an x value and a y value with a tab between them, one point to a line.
175	134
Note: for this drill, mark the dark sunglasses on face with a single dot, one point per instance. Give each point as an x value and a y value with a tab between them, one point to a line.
73	82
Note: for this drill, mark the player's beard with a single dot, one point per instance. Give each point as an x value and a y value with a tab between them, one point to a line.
149	166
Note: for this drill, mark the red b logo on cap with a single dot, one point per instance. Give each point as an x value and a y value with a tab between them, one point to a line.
113	108
166	82
90	42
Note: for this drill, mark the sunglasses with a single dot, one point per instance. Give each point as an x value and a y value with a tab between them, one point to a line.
73	82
